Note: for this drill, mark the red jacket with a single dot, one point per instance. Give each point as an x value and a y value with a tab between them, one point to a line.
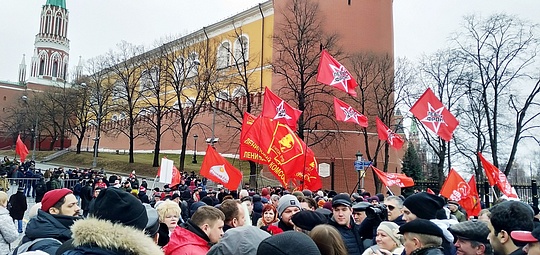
185	242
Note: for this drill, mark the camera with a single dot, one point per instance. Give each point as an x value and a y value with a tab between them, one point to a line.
377	212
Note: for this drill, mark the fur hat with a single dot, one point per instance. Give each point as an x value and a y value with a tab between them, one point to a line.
119	206
424	205
287	201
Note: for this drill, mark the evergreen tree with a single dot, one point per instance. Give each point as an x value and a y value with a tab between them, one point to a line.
412	166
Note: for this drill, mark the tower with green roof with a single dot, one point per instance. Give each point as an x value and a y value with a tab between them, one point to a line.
50	60
59	3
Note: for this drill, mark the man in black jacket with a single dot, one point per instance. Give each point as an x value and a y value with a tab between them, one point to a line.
59	210
86	196
343	221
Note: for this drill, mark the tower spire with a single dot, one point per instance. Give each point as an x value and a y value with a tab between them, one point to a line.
22	71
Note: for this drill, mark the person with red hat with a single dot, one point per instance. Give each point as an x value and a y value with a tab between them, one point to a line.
51	226
531	238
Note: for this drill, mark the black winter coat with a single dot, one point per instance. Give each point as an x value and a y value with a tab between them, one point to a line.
17	206
350	235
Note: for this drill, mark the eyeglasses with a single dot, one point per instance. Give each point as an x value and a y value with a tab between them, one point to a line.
391	207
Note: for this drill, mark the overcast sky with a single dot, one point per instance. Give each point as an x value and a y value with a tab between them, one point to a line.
95	26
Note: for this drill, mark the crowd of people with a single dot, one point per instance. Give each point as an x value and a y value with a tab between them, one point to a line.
103	214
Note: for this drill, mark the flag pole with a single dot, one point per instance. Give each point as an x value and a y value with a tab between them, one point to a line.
391	193
494	194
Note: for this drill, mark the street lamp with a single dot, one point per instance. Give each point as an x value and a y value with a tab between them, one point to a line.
96	144
194	161
25	99
361	170
87	142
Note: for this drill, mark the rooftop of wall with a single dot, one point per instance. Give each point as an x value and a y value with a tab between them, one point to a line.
59	3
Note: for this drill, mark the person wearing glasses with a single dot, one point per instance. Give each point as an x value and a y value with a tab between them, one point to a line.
394	205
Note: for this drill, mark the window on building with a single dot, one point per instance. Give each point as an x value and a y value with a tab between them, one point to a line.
55	69
149	79
241	49
192	67
58	24
224	55
41	67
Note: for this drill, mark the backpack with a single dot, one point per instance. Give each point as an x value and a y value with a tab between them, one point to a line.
28	245
41	188
56	184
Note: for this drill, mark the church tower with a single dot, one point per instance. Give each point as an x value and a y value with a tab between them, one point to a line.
51	47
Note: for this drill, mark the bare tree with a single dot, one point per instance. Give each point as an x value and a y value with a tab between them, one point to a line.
190	72
501	50
446	75
77	123
99	82
297	49
237	85
157	95
381	92
125	64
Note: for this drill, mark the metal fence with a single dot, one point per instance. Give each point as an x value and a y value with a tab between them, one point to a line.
28	184
526	193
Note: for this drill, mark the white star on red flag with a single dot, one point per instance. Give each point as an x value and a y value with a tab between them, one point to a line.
341	75
434	117
281	113
350	113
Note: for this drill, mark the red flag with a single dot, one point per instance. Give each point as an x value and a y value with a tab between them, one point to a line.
471	203
285	153
249	149
496	177
346	113
393	179
430	191
218	169
176	176
276	108
388	135
432	113
455	188
20	149
332	73
492	173
309	176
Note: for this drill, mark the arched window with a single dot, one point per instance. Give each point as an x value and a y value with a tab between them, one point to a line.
58	24
224	55
241	49
192	64
55	69
41	66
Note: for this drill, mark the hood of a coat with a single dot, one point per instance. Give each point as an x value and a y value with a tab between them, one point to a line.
112	236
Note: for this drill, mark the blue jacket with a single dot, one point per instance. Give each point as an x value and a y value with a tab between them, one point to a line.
350	235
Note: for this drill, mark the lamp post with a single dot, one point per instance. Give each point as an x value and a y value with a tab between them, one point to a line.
87	142
194	161
25	99
361	170
96	144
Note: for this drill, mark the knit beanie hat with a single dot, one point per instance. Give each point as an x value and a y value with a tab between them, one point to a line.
287	201
391	229
424	205
52	197
288	242
307	220
119	206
